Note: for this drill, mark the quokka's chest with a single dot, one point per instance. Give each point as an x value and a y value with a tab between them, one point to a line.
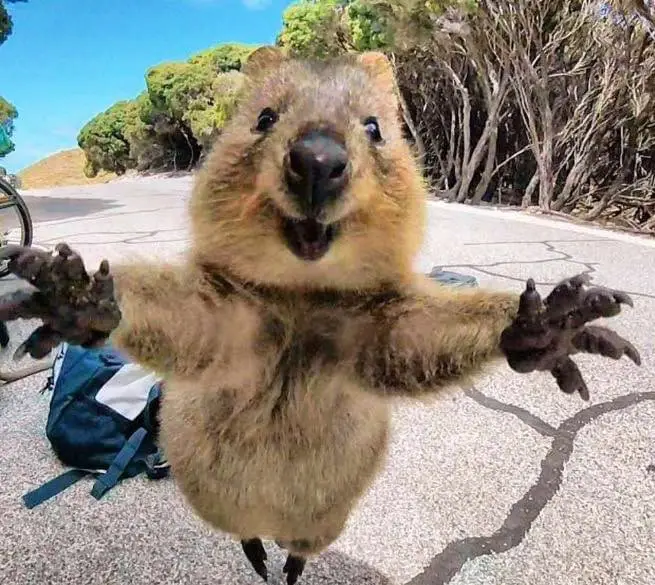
304	338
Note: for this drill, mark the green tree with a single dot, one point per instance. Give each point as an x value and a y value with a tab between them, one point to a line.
369	26
223	58
104	139
194	95
6	23
320	28
198	96
185	105
206	117
313	28
8	112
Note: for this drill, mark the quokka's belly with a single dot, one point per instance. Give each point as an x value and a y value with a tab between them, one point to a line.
286	476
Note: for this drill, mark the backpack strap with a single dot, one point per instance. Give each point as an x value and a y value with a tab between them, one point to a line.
108	480
155	466
53	487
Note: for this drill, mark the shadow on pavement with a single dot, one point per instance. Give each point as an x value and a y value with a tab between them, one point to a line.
53	208
335	568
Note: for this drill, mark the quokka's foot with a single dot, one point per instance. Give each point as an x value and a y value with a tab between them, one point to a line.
547	332
4	335
293	568
73	305
256	554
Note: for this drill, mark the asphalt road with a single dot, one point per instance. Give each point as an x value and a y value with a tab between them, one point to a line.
507	483
43	208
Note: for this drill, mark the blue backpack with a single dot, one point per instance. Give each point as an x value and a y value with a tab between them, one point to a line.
449	278
102	421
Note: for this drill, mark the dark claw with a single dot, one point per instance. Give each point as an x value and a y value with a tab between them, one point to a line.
103	283
39	344
623	298
32	271
580	279
569	378
12	251
565	296
606	302
20	304
605	342
294	568
75	269
29	264
256	554
632	353
4	335
64	250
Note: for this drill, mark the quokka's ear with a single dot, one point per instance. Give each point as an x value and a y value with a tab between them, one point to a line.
379	69
262	60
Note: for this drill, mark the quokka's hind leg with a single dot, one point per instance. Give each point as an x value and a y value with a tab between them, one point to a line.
295	563
256	554
299	552
294	567
4	335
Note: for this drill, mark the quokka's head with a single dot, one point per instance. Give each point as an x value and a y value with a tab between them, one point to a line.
311	184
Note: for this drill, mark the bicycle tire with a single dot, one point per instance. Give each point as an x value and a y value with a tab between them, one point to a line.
27	229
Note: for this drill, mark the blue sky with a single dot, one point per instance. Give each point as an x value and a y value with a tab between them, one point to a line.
68	60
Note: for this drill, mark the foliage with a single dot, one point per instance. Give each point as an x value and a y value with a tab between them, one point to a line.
542	103
538	103
311	27
104	139
167	126
320	28
8	112
223	58
6	23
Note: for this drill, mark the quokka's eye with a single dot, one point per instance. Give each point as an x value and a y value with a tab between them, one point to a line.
372	128
266	119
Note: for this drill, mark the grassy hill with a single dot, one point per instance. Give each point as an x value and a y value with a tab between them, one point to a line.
58	170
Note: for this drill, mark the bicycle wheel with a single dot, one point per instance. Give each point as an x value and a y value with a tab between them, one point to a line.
9	197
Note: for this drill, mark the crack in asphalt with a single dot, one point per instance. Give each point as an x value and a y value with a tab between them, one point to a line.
526	510
525	416
588	267
134	237
559	241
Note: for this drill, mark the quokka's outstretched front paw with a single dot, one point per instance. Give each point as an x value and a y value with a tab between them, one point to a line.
73	306
547	332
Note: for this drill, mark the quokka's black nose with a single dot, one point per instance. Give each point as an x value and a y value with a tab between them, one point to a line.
316	170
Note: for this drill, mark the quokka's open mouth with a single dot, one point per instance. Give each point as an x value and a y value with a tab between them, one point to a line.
307	238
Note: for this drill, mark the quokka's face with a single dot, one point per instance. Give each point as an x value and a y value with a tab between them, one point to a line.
312	181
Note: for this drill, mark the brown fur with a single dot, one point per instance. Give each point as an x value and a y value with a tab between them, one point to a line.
275	415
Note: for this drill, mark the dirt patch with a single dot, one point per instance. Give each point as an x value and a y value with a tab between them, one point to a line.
60	169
